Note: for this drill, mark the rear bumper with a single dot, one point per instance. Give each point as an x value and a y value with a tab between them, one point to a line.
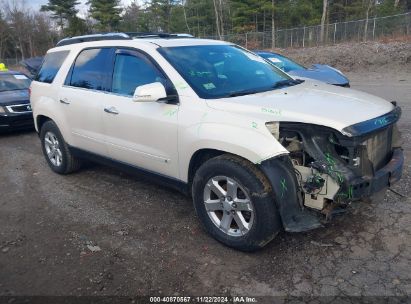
383	178
16	121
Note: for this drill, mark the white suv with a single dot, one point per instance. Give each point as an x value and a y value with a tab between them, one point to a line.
258	150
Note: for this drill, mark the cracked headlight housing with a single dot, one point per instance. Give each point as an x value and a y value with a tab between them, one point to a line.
274	128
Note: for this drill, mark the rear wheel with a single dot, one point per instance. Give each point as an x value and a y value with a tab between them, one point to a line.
56	150
235	203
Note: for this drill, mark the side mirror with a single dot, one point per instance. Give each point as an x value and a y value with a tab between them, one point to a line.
150	92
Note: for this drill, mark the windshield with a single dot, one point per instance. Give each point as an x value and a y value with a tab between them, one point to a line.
282	62
13	82
216	71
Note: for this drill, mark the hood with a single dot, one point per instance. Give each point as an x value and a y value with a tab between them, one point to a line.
310	102
14	97
323	73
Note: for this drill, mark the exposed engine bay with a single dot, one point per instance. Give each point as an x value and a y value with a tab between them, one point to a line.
334	169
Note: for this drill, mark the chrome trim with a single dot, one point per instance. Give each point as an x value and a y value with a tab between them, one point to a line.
10	108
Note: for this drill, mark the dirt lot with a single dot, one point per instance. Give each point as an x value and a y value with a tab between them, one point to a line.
152	244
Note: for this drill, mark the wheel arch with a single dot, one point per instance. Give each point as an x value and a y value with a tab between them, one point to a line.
200	157
40	120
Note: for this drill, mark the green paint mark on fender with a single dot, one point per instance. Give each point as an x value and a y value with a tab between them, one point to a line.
170	112
271	111
254	125
201	122
283	187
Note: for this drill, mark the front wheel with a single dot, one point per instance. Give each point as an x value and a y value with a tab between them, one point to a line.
235	203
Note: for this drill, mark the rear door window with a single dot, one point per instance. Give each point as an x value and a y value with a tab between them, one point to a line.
51	65
91	69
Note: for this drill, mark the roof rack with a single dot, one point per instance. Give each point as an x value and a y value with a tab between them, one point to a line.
119	36
93	37
157	35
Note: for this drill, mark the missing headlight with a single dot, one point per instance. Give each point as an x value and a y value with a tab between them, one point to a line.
274	128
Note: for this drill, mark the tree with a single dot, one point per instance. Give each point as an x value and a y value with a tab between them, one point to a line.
369	6
77	26
272	24
106	12
62	10
323	18
131	18
4	35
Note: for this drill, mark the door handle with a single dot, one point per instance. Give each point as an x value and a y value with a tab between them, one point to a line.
64	101
111	110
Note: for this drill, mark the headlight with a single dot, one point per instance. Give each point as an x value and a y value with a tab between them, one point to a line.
274	128
2	110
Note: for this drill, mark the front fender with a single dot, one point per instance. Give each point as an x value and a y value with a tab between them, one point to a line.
254	143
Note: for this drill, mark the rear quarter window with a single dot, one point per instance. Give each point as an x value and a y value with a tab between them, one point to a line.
51	65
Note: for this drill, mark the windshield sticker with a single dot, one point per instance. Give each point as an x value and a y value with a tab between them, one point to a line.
20	77
209	86
181	85
254	57
275	60
271	111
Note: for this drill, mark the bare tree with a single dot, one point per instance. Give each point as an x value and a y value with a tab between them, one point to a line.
370	5
323	19
183	4
217	19
272	25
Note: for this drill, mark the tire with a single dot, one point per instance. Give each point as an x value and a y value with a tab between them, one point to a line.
259	222
56	150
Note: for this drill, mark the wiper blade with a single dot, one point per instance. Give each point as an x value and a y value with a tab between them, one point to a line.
282	83
242	93
287	82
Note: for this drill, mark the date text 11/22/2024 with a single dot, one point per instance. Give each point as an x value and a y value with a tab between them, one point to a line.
205	299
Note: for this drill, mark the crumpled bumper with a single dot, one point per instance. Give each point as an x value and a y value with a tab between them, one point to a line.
383	178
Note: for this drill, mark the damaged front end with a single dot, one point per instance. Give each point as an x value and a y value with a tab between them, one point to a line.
329	169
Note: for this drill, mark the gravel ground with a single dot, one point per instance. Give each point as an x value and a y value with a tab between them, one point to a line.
102	232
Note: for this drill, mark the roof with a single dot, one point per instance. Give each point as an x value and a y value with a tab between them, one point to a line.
183	42
145	44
